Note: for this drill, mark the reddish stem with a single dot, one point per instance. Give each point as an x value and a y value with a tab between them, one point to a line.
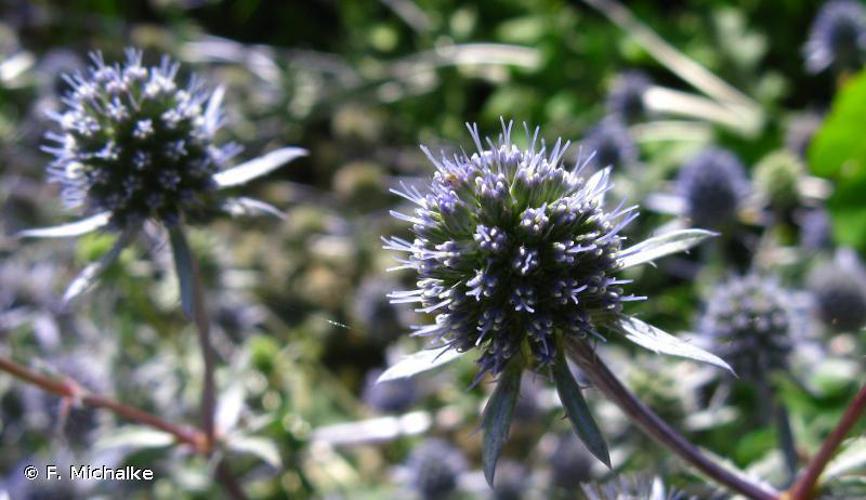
69	389
804	488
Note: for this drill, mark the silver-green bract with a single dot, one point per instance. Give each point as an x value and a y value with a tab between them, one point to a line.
517	254
132	145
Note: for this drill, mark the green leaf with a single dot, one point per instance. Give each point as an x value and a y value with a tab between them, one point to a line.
183	265
578	411
850	460
419	362
656	340
838	152
660	246
497	417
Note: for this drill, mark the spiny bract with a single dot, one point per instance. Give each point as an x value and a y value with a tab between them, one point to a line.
136	144
750	320
513	251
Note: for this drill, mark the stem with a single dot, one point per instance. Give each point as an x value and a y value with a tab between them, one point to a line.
595	369
69	389
804	487
208	397
231	485
777	415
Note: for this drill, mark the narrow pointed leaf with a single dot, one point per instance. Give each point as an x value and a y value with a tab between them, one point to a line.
258	167
419	362
497	418
262	448
660	246
578	412
71	230
183	265
90	274
656	340
248	206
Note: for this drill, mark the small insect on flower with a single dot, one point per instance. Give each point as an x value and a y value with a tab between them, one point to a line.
837	37
517	255
132	145
750	320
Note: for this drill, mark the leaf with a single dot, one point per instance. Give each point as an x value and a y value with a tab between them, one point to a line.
73	229
183	265
656	340
248	206
258	167
264	449
91	273
419	362
660	246
850	460
578	411
496	420
135	437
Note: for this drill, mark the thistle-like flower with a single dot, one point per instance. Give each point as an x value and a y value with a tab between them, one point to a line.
625	99
712	184
837	37
750	320
394	396
435	468
133	145
517	256
839	293
611	144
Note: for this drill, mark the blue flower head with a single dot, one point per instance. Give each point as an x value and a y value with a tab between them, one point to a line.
435	468
626	98
712	184
839	293
837	37
135	143
750	320
611	145
513	251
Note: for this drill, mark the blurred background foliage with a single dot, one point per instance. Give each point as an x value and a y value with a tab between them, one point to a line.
302	322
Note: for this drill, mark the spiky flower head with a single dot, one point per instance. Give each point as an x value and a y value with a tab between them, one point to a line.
626	98
750	321
394	396
435	468
134	142
513	251
712	184
611	145
837	37
517	257
839	292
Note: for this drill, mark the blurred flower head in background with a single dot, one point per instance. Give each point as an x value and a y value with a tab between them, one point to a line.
610	145
435	468
713	184
625	100
839	291
837	37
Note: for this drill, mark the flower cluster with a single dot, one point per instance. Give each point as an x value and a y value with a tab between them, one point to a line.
712	184
513	251
134	143
837	37
750	320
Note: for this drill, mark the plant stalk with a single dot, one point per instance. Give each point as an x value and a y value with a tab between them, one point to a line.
208	397
599	374
69	389
804	488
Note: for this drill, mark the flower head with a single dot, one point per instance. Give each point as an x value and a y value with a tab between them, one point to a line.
395	396
611	144
712	183
435	467
777	178
134	142
837	36
839	292
625	100
750	321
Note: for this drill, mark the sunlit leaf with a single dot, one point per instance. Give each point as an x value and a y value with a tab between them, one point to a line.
419	362
656	340
134	437
660	246
258	167
70	230
265	449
